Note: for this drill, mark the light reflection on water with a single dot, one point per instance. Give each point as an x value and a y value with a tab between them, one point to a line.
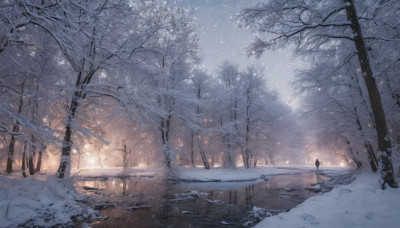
172	206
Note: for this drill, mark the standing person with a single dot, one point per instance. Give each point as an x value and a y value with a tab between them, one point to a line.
317	164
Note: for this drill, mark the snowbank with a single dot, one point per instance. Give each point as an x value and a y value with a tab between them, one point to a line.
200	174
242	174
118	172
360	204
42	201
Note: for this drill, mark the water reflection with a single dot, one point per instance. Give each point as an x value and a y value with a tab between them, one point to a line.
196	204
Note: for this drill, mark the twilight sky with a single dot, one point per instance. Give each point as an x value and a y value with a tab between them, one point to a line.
222	39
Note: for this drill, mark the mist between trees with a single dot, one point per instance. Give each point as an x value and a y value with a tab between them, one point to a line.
91	84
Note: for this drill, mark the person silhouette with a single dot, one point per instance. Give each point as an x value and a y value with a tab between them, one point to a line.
317	164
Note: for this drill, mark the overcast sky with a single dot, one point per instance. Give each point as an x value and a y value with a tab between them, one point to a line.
222	39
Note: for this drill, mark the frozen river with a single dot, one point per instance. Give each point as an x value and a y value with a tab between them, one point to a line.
156	202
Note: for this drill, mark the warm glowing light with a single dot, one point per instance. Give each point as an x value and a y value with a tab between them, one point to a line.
141	165
91	162
342	164
287	162
180	142
87	146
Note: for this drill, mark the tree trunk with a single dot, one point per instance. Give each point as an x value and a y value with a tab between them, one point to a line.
192	152
39	160
384	143
373	161
79	160
32	147
165	141
32	152
23	161
65	162
367	145
10	158
203	155
244	156
247	151
228	151
226	143
125	160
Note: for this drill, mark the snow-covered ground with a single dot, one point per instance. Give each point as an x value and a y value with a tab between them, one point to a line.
118	172
361	204
242	174
40	201
199	174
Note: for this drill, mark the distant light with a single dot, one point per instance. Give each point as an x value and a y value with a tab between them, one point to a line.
91	162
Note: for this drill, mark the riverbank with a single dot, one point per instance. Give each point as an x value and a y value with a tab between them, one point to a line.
361	204
251	174
40	201
189	174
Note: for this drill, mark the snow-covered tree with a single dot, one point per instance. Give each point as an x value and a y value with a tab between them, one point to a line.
312	26
159	99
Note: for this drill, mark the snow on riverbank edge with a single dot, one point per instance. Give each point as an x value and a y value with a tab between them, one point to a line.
242	174
198	174
360	204
40	201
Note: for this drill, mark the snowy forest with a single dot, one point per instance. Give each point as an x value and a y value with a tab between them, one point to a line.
121	84
105	89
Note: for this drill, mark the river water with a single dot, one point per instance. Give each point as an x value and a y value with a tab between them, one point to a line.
156	202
